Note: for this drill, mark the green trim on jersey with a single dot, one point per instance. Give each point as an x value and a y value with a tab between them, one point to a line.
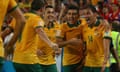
74	25
106	37
38	27
12	9
59	37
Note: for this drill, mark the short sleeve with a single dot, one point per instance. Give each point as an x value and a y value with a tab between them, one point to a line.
38	23
12	5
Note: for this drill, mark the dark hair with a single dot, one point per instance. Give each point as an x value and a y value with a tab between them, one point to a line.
92	8
72	7
37	4
115	26
49	6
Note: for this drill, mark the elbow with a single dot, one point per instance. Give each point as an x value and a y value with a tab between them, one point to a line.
60	45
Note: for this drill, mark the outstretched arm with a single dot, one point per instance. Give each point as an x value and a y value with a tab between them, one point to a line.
42	35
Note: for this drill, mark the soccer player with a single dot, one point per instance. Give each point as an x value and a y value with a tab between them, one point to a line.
25	58
70	40
45	53
96	34
10	6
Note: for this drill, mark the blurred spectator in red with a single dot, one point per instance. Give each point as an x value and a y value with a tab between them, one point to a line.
111	1
115	15
119	3
105	12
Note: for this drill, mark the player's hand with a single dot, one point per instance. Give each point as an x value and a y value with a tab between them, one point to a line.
58	52
54	46
40	52
75	41
104	66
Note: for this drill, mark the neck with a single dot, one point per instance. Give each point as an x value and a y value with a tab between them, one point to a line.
91	24
35	12
49	25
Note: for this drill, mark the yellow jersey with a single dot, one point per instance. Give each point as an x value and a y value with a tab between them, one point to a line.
12	23
94	2
49	55
94	44
26	46
6	5
72	54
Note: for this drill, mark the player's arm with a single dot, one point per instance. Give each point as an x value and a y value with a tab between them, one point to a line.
20	21
9	29
115	55
6	32
61	39
61	42
61	12
106	43
107	39
114	52
42	35
74	41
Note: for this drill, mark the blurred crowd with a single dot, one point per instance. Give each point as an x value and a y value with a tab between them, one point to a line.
107	9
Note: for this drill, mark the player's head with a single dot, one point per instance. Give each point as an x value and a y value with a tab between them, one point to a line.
49	13
116	26
91	15
38	5
72	14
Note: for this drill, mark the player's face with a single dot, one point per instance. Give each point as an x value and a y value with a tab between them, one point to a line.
50	14
90	17
114	7
72	16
